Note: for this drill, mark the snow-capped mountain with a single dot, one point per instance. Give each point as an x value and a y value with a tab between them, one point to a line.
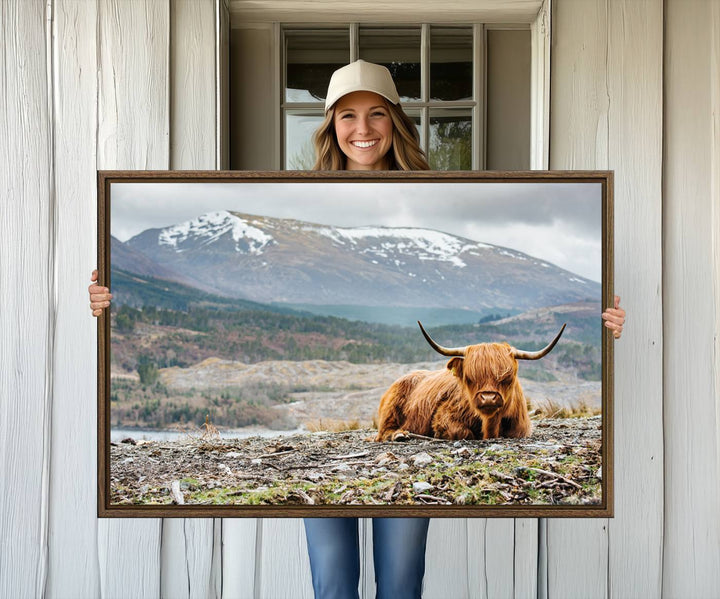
281	260
215	227
382	243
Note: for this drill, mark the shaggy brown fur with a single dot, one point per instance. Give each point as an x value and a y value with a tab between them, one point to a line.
476	397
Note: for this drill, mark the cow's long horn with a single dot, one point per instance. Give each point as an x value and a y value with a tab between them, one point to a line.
445	351
536	355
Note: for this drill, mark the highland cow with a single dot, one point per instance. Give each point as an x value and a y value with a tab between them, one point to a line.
478	395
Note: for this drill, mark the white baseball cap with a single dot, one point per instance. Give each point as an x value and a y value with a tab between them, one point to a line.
361	76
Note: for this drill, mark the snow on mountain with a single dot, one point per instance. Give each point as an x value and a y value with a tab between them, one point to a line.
267	259
208	228
424	244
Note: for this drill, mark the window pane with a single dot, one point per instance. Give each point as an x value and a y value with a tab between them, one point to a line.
414	115
398	50
311	58
451	55
299	149
450	140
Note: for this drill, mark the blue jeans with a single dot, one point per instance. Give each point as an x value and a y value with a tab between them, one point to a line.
398	553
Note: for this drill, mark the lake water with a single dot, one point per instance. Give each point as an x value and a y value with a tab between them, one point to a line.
118	434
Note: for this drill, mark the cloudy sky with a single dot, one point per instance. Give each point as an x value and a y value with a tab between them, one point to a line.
557	222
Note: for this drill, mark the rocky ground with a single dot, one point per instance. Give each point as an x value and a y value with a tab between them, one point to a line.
559	464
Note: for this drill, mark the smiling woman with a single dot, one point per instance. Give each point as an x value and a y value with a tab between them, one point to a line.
365	128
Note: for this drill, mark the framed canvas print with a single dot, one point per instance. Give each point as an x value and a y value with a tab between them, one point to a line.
355	344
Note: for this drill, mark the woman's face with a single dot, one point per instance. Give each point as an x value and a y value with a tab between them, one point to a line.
364	130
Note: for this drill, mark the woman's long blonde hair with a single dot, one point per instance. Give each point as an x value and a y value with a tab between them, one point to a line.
405	154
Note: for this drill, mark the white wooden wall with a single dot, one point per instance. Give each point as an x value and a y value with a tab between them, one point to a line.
607	112
635	87
691	299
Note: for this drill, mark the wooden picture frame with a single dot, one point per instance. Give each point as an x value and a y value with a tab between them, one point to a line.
289	298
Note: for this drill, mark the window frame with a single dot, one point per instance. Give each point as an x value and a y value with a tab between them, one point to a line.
537	18
476	106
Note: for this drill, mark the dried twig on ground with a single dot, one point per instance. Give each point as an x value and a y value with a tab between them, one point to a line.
548	473
428	498
351	455
274	455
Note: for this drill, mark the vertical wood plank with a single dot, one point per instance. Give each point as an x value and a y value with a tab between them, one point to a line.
133	125
525	561
540	89
187	559
579	100
129	558
283	567
577	550
222	17
216	568
73	562
609	97
715	192
635	86
133	130
26	298
193	85
239	558
542	567
471	558
499	556
448	557
367	562
692	398
491	548
187	563
577	560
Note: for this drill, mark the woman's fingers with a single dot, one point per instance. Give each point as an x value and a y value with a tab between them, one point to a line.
614	325
614	316
614	320
616	329
99	296
98	293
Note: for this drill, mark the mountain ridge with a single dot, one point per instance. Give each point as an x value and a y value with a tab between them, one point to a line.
273	260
